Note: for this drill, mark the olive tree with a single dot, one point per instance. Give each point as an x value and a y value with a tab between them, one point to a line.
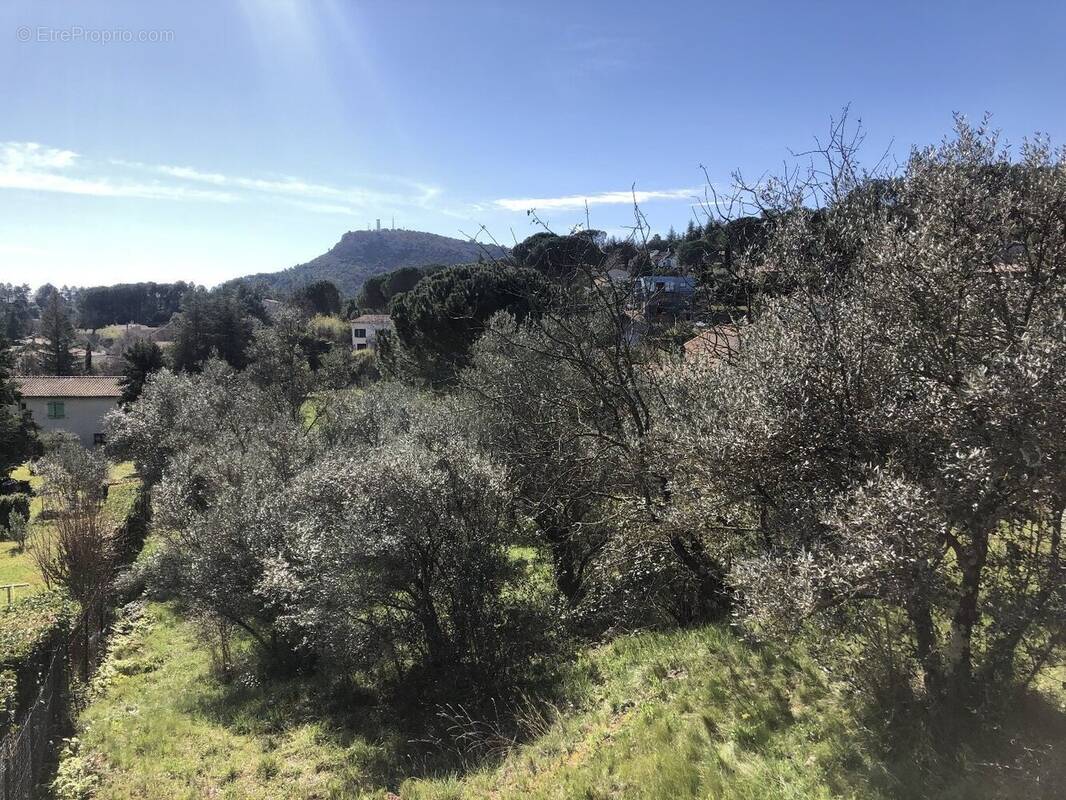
571	402
220	451
399	558
887	447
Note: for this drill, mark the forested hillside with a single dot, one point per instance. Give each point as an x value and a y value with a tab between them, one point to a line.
362	254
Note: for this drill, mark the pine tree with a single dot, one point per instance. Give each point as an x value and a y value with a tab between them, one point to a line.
140	360
58	332
18	434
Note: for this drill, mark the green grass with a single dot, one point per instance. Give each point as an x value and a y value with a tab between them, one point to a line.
17	566
164	727
685	714
691	714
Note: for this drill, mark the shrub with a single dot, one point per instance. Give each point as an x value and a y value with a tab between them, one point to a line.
19	529
12	505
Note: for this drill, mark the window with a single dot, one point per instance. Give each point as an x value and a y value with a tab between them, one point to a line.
99	438
361	346
359	333
56	409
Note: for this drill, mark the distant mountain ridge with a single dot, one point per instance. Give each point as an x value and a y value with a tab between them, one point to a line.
362	254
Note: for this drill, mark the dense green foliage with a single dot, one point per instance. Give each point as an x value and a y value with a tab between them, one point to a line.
378	291
15	311
219	323
18	440
559	257
443	315
30	628
320	297
148	303
139	360
12	504
58	333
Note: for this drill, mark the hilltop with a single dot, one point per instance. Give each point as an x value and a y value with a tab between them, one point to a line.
362	254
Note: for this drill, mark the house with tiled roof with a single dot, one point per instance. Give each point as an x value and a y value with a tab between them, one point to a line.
73	403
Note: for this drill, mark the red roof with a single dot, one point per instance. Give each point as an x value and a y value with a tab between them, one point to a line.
69	386
716	343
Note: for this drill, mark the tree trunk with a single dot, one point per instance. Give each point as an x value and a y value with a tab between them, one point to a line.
565	561
921	617
436	641
959	656
713	598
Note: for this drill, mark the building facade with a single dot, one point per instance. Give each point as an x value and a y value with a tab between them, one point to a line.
77	404
366	327
656	295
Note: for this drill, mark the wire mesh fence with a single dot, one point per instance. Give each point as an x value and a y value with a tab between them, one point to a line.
28	748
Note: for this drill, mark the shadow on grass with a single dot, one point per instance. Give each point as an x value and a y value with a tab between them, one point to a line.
1017	751
429	726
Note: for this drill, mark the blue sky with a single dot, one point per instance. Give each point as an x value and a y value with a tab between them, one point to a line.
248	135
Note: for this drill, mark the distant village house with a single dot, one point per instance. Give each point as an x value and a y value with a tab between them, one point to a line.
655	295
366	327
77	404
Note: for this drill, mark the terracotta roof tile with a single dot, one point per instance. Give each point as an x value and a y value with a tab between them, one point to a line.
69	386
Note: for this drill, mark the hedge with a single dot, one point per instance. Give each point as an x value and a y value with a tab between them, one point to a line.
30	629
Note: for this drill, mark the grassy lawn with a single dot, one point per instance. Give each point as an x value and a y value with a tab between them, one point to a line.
164	727
17	566
685	714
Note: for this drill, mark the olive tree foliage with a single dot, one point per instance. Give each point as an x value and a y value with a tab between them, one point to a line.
570	402
219	451
400	559
566	451
175	410
373	536
73	475
885	456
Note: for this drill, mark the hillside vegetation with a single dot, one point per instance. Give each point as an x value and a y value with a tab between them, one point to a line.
683	714
549	556
362	254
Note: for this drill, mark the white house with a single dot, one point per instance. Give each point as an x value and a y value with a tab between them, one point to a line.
75	403
366	327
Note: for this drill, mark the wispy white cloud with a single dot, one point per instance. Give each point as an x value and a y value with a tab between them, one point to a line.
418	194
31	155
578	201
35	167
